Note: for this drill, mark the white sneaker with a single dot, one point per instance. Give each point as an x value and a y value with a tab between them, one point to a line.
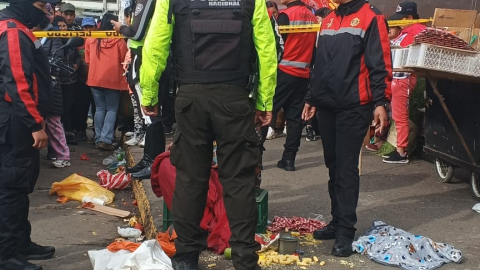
142	143
285	130
61	163
271	134
133	141
129	134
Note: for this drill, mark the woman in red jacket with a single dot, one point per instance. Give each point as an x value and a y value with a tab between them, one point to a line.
105	57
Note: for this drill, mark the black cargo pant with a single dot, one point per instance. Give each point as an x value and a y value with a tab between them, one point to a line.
290	95
19	169
221	112
342	133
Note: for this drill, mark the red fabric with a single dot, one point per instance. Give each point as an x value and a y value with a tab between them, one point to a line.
407	36
214	219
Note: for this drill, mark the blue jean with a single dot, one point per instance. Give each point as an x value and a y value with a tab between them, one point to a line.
106	102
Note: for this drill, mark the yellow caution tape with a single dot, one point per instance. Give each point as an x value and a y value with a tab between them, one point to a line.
284	29
83	34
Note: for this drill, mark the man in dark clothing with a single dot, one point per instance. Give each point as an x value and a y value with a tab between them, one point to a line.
352	78
293	76
24	97
213	43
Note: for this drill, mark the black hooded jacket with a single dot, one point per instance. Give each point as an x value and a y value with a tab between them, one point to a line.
24	69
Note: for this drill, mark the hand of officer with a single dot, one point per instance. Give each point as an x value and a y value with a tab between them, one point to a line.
263	118
380	119
116	25
40	139
150	110
308	112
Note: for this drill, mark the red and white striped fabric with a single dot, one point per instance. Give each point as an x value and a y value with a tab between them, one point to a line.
120	180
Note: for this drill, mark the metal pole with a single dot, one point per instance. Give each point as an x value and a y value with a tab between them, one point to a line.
105	8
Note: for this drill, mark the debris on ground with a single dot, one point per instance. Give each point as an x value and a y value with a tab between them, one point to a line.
84	157
298	224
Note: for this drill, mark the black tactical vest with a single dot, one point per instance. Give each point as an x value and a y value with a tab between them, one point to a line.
213	40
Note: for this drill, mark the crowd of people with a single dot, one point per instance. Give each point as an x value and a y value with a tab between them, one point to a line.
223	74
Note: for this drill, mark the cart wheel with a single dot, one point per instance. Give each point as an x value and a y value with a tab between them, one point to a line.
475	185
444	171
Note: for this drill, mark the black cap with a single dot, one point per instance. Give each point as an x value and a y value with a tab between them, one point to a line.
404	9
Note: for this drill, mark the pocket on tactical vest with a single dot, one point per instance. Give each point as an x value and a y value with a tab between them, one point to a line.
217	44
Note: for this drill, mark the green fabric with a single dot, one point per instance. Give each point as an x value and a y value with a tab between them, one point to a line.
136	44
157	46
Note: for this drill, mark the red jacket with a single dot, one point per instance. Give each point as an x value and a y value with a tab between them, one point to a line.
407	36
353	65
299	47
105	63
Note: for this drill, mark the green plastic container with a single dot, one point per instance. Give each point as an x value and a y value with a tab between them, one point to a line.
261	196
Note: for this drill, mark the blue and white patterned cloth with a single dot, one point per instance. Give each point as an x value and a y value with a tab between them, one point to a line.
395	247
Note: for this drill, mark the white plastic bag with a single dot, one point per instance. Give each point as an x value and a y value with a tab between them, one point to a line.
148	256
476	208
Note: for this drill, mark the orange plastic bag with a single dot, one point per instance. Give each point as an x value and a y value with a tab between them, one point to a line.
124	245
166	241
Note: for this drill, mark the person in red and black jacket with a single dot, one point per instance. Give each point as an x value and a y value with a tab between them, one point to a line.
352	78
25	92
293	76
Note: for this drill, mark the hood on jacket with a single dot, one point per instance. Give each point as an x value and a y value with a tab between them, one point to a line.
108	42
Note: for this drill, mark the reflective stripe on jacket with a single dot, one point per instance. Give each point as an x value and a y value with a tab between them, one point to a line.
298	46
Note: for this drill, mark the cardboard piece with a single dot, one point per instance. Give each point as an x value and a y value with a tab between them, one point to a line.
454	18
106	210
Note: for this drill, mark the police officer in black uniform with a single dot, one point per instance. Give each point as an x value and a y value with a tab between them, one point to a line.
25	92
214	44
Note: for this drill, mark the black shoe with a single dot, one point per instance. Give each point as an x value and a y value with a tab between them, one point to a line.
37	252
326	233
342	247
396	158
310	136
18	264
168	129
389	154
142	164
143	174
81	136
287	165
187	262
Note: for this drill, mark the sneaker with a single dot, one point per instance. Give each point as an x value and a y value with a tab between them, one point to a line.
389	154
129	134
271	134
18	263
168	129
285	130
37	252
133	141
310	136
106	147
396	158
61	163
142	143
372	147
